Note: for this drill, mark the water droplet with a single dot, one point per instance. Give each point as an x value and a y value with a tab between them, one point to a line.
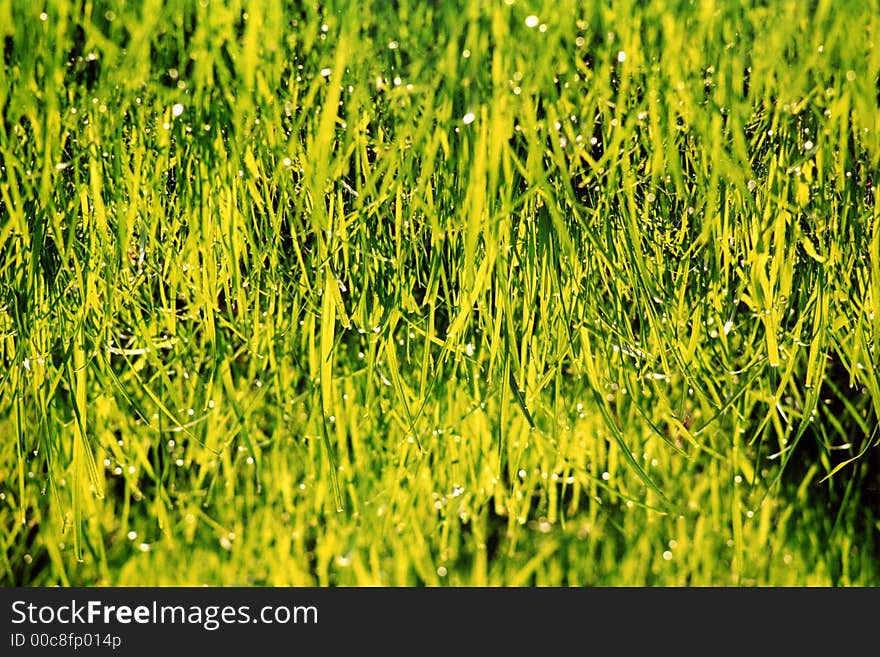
132	535
468	118
177	109
621	57
325	72
532	21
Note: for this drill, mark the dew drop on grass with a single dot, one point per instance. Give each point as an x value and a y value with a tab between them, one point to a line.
468	118
532	21
177	109
667	555
132	535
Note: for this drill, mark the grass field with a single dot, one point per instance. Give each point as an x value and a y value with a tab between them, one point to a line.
425	294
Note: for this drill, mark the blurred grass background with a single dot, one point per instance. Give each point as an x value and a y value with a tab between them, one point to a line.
462	293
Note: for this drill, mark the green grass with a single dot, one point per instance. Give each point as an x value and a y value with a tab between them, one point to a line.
462	293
